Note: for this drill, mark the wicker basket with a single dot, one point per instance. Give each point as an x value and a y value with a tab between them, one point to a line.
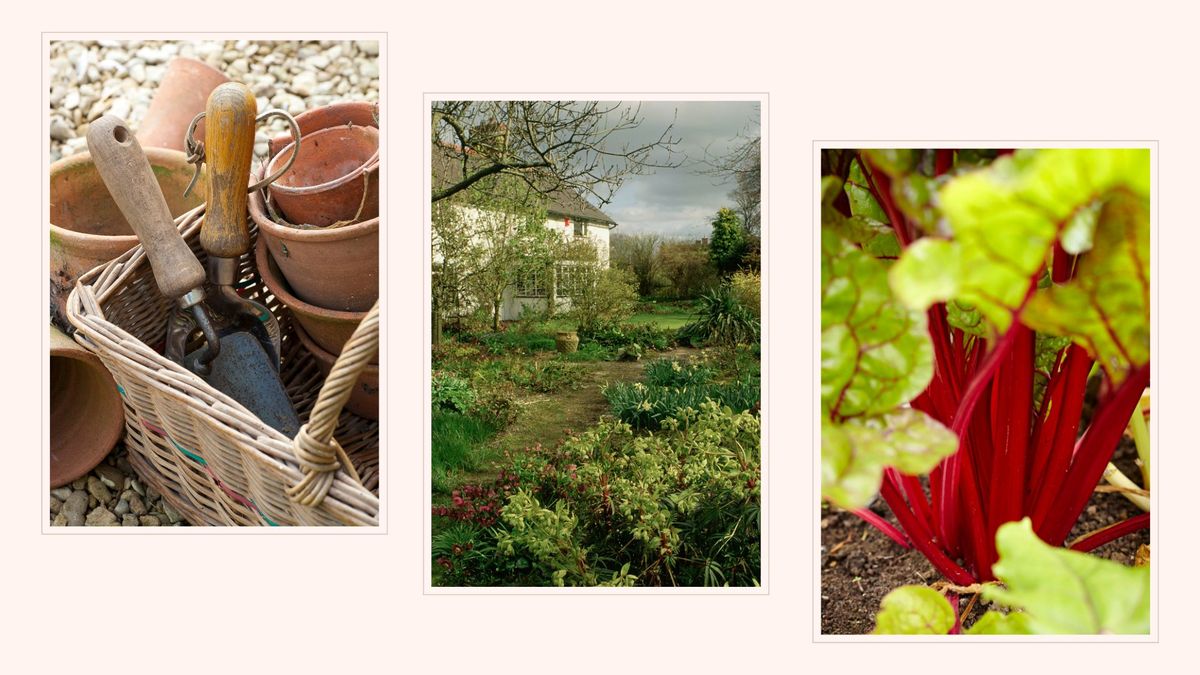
210	458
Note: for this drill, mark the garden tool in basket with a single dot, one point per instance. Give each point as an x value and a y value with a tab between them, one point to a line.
231	360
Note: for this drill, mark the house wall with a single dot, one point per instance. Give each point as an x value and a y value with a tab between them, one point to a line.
512	306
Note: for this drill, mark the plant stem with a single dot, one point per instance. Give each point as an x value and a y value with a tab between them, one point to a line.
1093	540
883	526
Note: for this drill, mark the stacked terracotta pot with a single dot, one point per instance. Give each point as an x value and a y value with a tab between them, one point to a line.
318	245
87	230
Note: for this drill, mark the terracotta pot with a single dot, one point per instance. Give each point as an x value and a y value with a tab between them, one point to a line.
182	94
87	417
567	341
328	328
335	177
86	226
364	397
358	113
334	268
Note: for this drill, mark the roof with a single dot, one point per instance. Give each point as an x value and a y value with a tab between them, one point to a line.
559	202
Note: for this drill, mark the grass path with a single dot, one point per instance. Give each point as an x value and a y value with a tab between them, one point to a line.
546	418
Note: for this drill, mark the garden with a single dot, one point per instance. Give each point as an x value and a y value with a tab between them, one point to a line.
985	391
606	436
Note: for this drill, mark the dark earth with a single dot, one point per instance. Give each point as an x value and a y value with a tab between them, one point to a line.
859	565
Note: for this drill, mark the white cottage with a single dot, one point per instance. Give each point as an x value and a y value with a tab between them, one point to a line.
568	213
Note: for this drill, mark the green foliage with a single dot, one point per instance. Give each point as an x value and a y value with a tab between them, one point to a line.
677	373
650	406
606	297
875	356
914	610
544	375
506	342
646	336
1066	592
1005	220
747	288
686	269
728	243
465	555
452	393
590	351
722	320
453	439
679	508
855	453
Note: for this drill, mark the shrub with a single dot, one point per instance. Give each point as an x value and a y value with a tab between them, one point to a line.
723	320
452	393
676	509
686	267
677	373
646	336
747	288
649	407
465	555
605	297
611	508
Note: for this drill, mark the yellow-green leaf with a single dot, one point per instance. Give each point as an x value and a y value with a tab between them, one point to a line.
1067	592
914	610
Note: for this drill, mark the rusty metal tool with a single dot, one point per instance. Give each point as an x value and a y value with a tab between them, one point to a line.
232	360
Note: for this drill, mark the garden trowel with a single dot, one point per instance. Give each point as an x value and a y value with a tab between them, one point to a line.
231	359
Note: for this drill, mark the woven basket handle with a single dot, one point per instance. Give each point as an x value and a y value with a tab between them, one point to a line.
319	454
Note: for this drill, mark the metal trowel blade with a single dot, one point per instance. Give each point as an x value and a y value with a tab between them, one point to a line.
244	372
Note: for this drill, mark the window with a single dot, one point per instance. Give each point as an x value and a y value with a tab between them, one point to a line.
532	285
569	278
580	228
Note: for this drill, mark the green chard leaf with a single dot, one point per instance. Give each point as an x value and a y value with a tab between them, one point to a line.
1005	220
1045	357
914	610
1106	307
873	235
876	355
862	202
855	453
1066	592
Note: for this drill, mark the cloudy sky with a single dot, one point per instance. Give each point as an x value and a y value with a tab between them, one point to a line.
680	202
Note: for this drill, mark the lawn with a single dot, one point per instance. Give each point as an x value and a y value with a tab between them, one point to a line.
664	314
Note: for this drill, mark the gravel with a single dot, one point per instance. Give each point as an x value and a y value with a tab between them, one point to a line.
90	502
90	79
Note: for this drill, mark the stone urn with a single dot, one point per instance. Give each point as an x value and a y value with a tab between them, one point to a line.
567	341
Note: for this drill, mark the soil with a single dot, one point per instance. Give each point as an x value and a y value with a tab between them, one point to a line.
859	565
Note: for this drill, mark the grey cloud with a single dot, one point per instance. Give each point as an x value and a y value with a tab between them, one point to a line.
680	202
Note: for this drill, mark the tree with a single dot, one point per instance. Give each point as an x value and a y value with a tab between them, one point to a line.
606	296
638	253
484	240
553	146
743	166
728	243
686	268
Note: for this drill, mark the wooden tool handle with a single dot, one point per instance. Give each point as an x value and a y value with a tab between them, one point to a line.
127	175
228	149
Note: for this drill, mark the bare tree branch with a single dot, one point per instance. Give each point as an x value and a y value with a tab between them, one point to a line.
573	146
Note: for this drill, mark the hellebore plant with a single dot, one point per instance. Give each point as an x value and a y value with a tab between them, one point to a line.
965	297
